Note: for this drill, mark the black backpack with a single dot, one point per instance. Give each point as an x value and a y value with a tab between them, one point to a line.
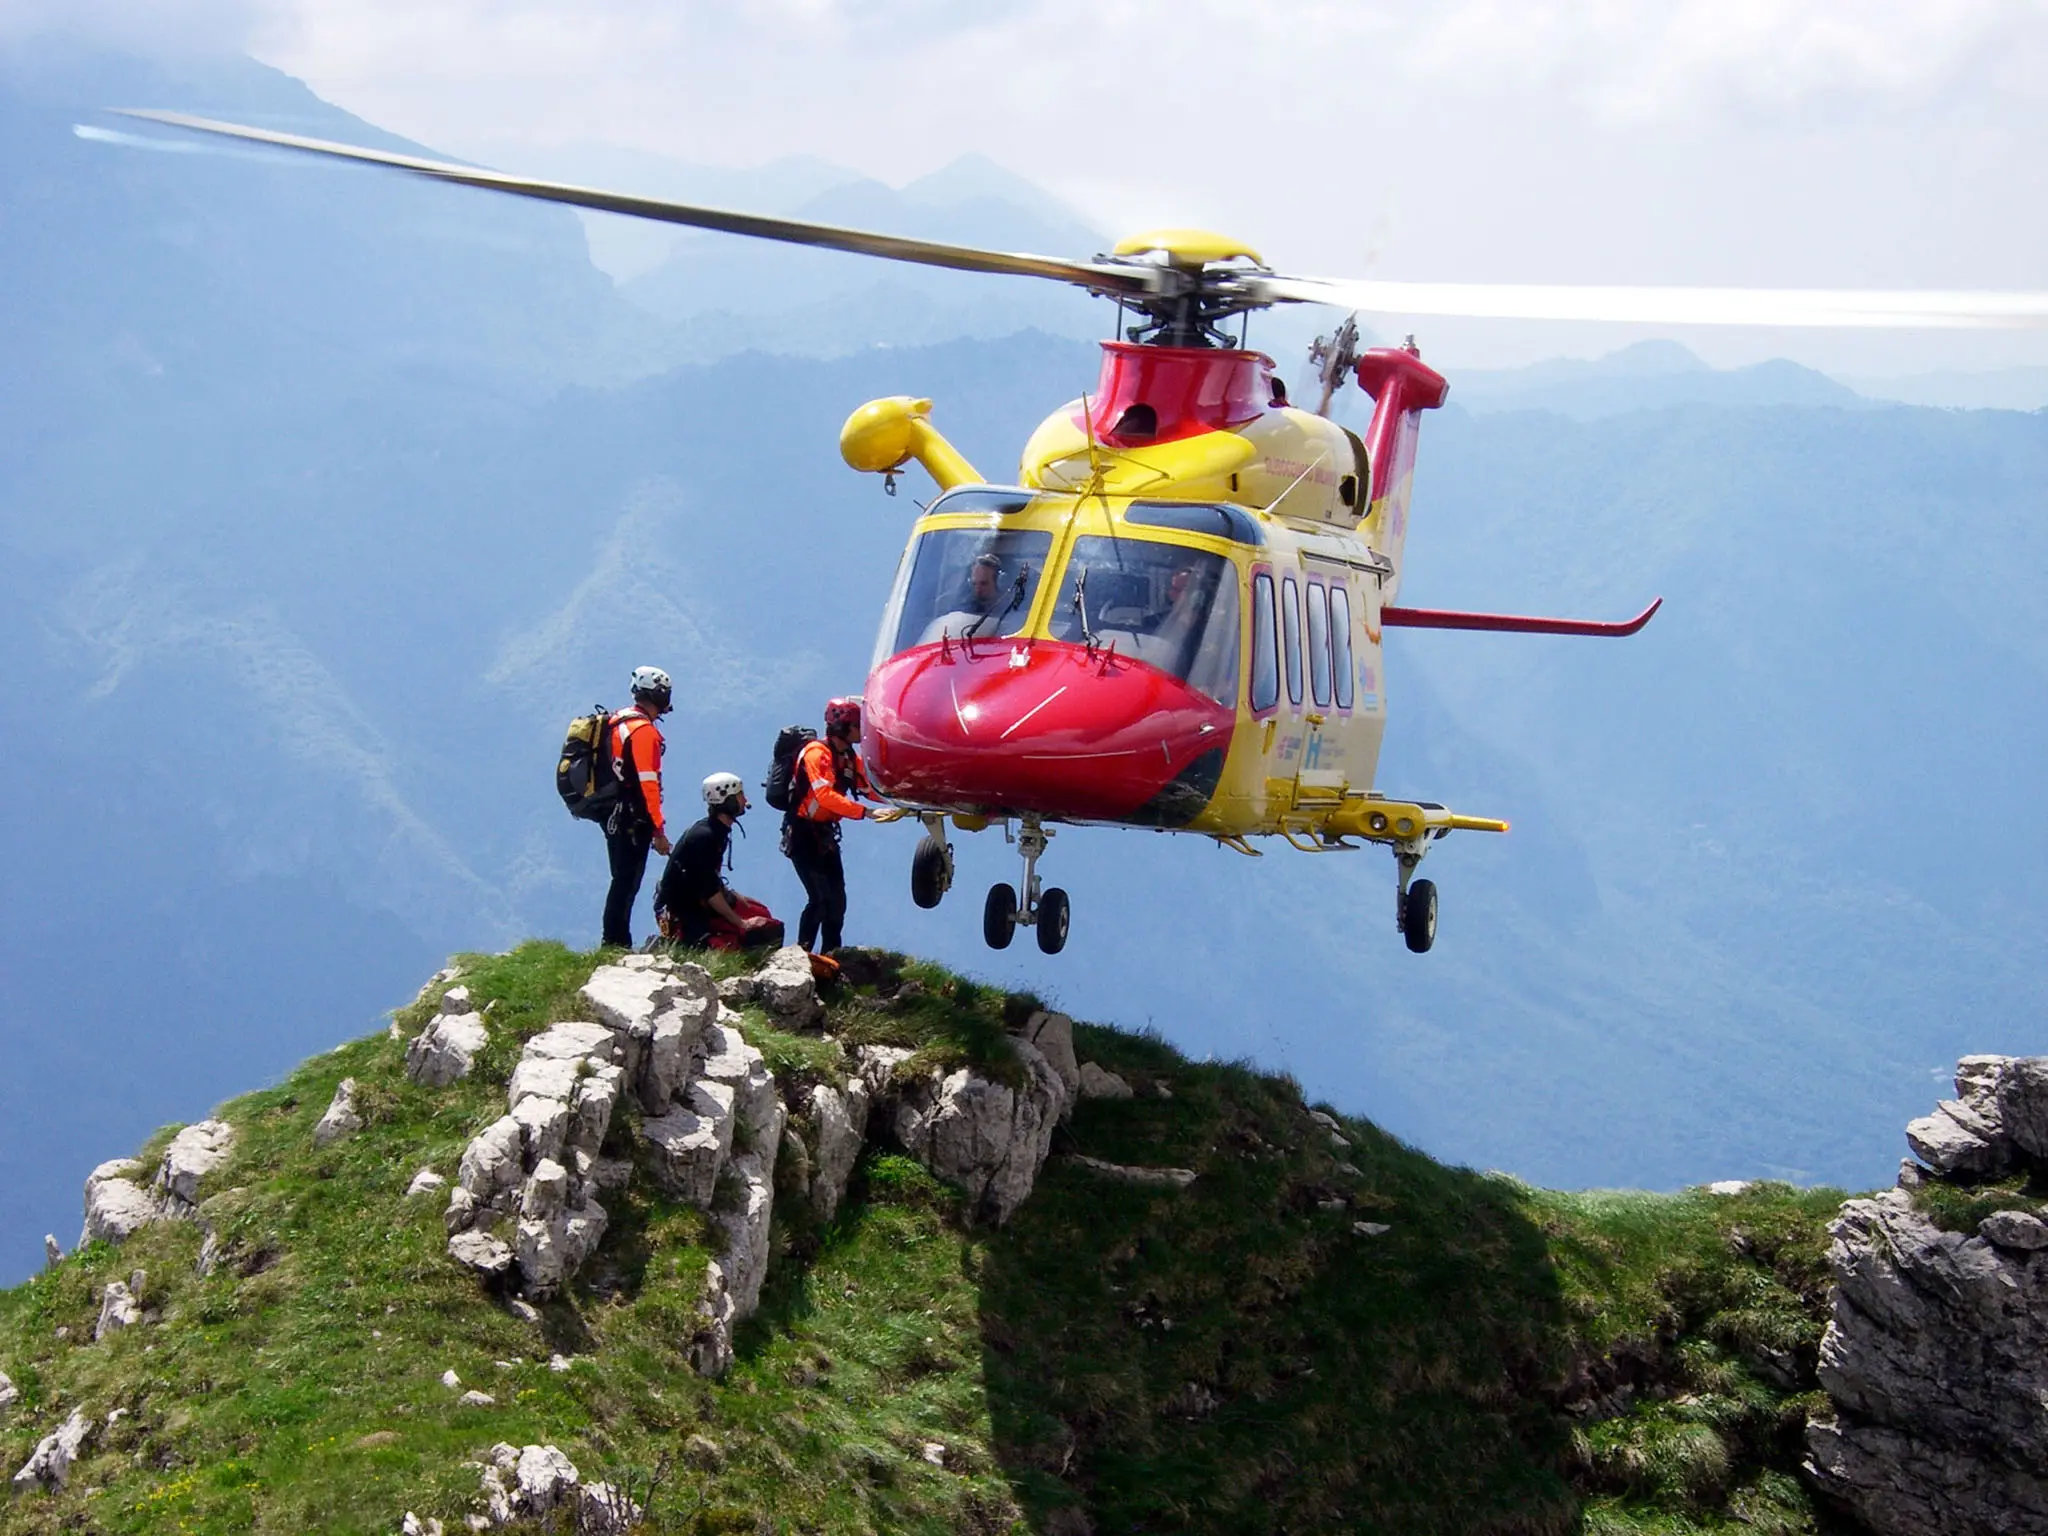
584	777
780	788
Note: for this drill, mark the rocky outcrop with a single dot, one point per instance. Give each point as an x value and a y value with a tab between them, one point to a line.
342	1118
1053	1036
1936	1357
786	988
117	1206
120	1306
972	1130
838	1123
534	1484
49	1466
529	1173
447	1048
1997	1120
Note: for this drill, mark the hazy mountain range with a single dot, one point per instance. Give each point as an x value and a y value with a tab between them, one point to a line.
325	506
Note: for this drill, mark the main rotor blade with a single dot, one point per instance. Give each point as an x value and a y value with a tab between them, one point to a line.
928	253
1662	306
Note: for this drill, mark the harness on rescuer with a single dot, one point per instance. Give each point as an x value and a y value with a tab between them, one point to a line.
583	776
781	788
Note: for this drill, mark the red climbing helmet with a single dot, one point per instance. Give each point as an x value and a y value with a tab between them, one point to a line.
842	712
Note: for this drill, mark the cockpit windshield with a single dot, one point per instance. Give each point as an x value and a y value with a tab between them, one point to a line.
969	584
1169	606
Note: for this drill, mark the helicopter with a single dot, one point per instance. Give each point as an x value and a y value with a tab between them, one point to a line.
1173	617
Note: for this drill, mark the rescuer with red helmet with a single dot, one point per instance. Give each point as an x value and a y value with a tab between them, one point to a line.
636	822
829	786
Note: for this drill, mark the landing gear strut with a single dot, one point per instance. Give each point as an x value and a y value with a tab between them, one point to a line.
1047	911
931	867
1414	900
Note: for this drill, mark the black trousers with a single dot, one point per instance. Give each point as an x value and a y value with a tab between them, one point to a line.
627	849
814	850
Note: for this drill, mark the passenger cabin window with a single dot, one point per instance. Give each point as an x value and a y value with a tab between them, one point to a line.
1318	645
1166	605
1290	636
967	584
1265	645
1340	645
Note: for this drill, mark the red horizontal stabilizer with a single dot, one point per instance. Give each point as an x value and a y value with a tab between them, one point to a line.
1446	618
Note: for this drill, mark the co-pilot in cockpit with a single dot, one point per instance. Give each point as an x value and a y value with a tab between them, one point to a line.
1166	605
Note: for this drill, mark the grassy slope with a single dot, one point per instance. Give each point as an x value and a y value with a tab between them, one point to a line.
1235	1357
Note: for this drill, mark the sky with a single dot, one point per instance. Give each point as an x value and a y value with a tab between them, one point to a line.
1806	143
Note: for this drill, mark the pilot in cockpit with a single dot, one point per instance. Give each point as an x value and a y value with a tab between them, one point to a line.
983	577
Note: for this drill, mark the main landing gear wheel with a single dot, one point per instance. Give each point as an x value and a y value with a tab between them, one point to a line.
1418	915
999	916
1054	915
929	872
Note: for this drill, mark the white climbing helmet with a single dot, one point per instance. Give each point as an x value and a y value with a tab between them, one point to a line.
719	788
650	680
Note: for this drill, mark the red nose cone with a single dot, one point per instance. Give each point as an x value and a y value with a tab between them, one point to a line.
1041	725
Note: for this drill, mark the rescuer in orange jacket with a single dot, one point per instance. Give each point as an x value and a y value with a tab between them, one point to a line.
830	778
636	823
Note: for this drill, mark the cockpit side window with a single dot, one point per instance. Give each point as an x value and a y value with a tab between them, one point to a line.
968	584
1166	605
1265	648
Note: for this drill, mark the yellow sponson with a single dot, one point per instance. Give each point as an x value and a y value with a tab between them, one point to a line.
1401	821
1186	247
884	435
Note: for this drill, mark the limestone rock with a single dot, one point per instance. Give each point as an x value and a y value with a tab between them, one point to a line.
1729	1187
9	1392
2017	1230
116	1208
728	1059
675	1031
787	989
118	1308
488	1257
53	1254
461	1213
543	1077
1998	1116
603	1510
341	1118
194	1152
491	1162
1053	1034
413	1525
1955	1140
1172	1178
1937	1363
2019	1088
476	1399
691	1143
551	1248
545	1480
50	1464
1100	1083
543	1126
447	1048
425	1182
839	1121
983	1135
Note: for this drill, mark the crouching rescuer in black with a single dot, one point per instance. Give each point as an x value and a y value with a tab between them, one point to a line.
693	903
828	778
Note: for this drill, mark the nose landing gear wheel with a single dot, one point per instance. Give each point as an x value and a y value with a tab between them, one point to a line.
999	916
1418	916
1054	915
929	875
